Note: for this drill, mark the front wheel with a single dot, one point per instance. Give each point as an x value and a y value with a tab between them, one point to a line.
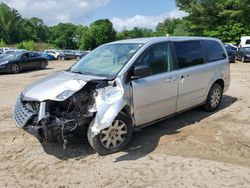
114	138
214	98
15	68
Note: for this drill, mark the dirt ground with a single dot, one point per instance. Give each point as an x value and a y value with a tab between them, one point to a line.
193	149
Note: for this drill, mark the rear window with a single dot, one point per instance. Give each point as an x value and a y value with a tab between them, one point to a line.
247	41
189	53
213	50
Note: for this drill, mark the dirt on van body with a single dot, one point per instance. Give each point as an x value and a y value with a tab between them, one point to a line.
193	149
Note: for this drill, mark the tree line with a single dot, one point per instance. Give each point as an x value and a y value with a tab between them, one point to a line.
224	19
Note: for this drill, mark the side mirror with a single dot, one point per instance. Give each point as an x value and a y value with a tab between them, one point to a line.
141	71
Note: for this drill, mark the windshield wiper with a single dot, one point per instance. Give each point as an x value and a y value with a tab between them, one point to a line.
77	72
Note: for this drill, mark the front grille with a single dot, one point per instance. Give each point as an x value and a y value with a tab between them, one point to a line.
21	113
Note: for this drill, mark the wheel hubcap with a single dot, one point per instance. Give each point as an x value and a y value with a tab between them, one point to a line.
113	136
15	68
43	64
215	98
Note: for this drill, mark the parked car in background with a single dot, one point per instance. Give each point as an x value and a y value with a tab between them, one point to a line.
20	61
71	54
243	54
245	42
231	47
49	57
123	86
53	52
231	53
4	49
14	51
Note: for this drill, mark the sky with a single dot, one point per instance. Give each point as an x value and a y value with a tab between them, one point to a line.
124	14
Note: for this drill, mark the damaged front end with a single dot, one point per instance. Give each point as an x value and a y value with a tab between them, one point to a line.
95	104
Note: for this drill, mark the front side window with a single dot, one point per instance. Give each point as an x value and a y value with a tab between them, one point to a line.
157	57
106	60
189	53
247	41
213	50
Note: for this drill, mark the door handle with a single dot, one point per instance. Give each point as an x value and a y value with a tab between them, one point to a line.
171	79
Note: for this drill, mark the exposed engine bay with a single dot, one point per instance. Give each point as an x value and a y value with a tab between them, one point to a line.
53	121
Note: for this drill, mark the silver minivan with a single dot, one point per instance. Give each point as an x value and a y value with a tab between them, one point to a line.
125	85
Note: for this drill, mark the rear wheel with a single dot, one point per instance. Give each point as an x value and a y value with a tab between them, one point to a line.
15	68
113	138
214	98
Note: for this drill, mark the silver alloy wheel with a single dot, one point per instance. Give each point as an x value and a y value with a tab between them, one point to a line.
215	98
113	136
15	68
43	65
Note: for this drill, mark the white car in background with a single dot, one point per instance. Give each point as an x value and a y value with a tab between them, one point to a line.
245	41
4	49
14	51
53	52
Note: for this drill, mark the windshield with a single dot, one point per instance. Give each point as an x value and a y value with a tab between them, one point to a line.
106	60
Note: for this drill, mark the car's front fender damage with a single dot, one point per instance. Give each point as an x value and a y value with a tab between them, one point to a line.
96	104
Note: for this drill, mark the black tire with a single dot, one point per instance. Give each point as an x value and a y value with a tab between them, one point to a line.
43	64
99	146
214	98
14	68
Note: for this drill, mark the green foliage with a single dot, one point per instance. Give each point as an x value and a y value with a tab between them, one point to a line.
135	33
14	29
63	35
28	45
172	27
2	43
225	19
99	32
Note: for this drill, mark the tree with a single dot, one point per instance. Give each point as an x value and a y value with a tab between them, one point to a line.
135	33
63	36
10	21
99	32
226	19
173	27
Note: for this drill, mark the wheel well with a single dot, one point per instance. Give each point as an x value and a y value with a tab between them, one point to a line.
126	109
220	82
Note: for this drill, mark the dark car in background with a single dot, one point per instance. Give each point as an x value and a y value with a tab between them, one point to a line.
71	54
20	61
231	53
243	54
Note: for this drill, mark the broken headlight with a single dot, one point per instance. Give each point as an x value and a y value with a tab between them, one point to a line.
65	94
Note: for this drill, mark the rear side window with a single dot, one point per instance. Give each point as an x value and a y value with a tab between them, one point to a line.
189	53
247	41
213	50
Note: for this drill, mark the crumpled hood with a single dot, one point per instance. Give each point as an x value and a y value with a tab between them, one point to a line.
52	86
